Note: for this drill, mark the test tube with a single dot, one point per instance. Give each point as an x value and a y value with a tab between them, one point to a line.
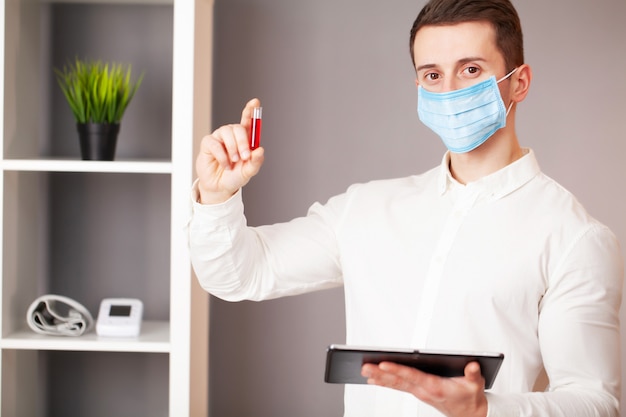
255	127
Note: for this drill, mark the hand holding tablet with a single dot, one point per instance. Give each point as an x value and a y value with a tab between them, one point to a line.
343	363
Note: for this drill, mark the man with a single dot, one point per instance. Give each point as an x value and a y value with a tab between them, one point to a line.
483	253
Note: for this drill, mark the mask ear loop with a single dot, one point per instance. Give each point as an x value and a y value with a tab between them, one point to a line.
509	109
507	76
502	79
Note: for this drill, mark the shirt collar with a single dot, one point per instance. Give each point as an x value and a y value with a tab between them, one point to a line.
497	184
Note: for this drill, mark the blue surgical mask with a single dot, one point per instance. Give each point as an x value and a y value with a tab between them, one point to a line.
464	119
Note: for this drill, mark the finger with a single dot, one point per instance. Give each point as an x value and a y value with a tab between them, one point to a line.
425	386
231	136
253	166
368	369
408	377
401	370
246	114
242	142
472	372
239	148
394	376
213	148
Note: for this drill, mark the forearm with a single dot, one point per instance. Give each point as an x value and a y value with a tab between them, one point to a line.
236	262
212	247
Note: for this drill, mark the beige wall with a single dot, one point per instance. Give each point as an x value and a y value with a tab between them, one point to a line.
339	107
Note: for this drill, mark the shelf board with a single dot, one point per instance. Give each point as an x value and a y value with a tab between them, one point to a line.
154	337
139	2
73	165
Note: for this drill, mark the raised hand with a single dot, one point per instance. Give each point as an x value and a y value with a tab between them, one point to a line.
225	162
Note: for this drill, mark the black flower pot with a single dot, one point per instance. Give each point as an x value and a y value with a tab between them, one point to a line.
98	140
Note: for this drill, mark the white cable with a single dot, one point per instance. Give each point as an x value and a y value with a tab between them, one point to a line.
44	316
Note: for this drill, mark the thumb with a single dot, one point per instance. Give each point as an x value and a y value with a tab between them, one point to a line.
472	372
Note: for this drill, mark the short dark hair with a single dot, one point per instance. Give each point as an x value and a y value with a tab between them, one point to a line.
500	13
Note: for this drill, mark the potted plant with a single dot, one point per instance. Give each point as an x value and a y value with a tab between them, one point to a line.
98	94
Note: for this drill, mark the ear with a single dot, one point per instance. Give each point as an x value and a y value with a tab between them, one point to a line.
521	83
417	84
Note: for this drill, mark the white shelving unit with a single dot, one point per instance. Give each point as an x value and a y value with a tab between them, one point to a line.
136	207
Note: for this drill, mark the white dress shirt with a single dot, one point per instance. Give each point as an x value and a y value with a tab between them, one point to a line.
511	263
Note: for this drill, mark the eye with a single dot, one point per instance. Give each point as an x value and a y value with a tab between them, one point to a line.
471	71
430	77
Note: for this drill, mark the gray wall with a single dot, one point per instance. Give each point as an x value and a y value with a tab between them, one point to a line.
339	107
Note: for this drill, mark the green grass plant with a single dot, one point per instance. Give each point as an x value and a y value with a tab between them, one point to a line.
97	92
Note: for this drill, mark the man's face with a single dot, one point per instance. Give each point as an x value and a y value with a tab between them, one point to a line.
456	56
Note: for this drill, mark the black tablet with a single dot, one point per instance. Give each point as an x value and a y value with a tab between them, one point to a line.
343	363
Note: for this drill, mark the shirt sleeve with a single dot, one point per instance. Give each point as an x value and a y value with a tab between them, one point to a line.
579	335
235	262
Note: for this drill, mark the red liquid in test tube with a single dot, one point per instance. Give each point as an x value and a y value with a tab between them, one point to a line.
255	127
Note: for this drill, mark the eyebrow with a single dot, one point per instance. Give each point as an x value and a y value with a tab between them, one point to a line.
461	61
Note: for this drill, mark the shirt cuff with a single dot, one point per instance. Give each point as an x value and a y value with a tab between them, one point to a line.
498	406
195	194
211	212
